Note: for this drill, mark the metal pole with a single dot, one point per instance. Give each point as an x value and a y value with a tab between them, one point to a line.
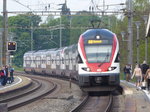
137	45
1	47
123	36
11	36
31	35
145	17
137	23
130	32
5	34
146	48
60	34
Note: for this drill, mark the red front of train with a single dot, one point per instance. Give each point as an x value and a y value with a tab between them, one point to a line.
98	59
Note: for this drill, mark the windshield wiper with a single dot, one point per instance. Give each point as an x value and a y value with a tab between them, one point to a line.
106	58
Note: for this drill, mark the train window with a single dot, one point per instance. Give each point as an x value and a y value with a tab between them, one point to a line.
48	60
79	60
52	61
44	61
57	60
67	60
62	60
117	58
98	53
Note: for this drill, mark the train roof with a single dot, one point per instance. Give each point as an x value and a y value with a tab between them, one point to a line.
103	33
29	52
41	51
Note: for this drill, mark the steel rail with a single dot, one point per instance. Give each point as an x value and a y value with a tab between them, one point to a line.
18	95
32	95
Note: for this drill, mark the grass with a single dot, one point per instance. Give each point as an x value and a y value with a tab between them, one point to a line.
18	68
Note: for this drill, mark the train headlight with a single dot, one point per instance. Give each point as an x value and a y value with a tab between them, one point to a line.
86	69
111	68
98	37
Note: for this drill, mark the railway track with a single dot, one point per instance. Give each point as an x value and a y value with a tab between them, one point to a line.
95	104
38	88
90	103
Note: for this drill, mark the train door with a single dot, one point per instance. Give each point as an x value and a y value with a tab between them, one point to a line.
48	62
62	58
58	62
43	62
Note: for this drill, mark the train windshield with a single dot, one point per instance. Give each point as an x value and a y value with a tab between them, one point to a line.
98	53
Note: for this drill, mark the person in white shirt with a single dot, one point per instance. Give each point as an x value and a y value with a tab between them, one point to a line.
138	75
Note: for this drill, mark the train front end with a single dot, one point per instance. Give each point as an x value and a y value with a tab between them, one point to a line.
99	67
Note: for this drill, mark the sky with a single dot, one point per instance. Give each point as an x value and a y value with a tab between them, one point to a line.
74	5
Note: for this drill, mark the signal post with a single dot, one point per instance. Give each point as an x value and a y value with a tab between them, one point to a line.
11	47
5	35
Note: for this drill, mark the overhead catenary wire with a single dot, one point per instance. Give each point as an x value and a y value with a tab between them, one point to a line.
57	13
22	4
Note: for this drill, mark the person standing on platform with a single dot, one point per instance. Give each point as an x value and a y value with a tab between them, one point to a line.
138	75
144	68
6	70
148	78
128	72
1	76
125	72
11	71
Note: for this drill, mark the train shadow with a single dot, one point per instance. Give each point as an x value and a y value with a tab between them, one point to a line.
116	92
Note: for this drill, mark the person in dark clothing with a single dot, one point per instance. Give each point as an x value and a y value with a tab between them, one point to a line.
148	79
3	76
144	68
127	70
6	69
11	71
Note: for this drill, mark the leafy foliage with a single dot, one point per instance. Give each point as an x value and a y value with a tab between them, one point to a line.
21	26
1	21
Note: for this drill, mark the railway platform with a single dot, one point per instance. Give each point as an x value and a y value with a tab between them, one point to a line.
134	100
19	82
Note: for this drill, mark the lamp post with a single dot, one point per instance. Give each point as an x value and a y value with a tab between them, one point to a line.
1	30
123	35
145	18
123	39
31	34
60	33
137	23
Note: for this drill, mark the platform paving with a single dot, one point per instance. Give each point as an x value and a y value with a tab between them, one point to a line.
135	100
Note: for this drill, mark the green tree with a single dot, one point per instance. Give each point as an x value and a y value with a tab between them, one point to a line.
1	21
21	26
141	5
140	8
80	22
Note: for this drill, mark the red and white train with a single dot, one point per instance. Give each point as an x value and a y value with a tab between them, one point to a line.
93	61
